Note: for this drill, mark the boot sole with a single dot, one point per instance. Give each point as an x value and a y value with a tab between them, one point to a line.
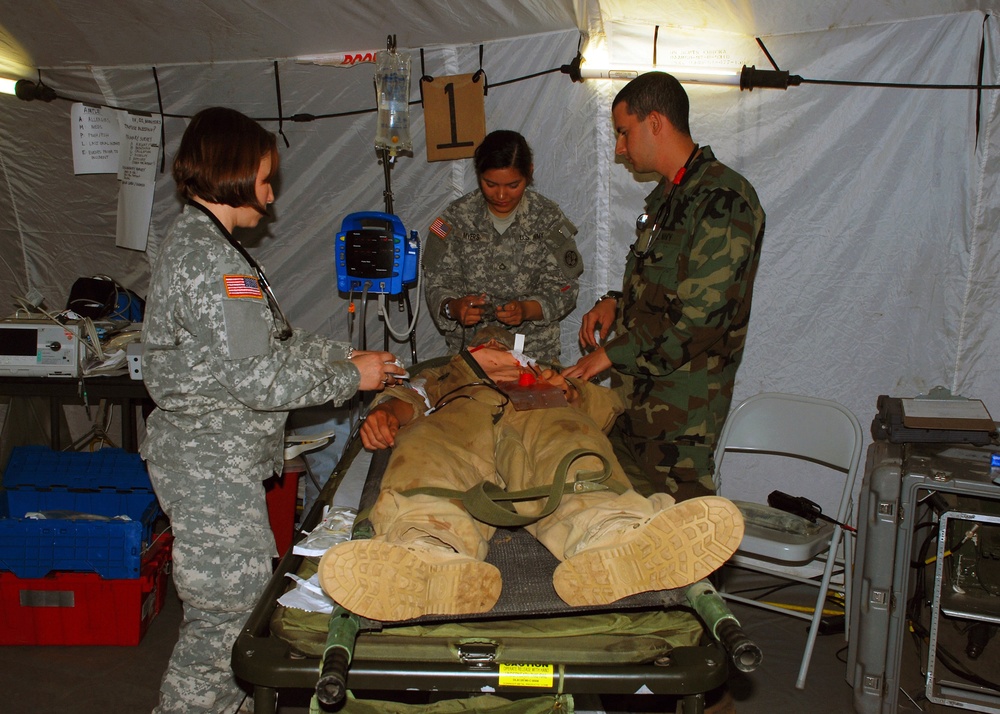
679	546
390	582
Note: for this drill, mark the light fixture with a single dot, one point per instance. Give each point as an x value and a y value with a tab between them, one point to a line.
27	90
747	78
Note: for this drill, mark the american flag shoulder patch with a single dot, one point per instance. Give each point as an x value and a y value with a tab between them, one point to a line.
242	286
440	228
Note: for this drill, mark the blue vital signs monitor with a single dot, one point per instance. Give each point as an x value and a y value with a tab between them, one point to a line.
374	254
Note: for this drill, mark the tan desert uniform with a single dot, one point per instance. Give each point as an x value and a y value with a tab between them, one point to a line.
458	445
427	554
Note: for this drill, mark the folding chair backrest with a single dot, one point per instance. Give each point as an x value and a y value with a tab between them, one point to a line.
807	427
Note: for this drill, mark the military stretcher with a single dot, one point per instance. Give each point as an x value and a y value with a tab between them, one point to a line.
531	649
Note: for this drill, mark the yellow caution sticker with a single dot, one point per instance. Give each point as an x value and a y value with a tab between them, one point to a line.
526	675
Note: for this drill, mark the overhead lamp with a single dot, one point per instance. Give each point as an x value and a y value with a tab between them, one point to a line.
27	90
747	78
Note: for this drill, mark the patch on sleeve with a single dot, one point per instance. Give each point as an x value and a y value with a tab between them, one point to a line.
440	228
242	286
563	246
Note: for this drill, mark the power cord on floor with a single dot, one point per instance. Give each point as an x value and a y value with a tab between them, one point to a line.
833	620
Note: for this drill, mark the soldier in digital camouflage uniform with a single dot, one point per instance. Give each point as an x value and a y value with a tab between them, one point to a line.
502	255
680	321
224	371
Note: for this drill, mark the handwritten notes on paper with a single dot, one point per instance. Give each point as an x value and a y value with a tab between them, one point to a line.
106	141
96	139
136	178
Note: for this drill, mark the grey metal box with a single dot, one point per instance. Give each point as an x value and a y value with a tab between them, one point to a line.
898	480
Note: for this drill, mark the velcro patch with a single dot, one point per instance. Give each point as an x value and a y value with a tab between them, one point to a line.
440	228
242	286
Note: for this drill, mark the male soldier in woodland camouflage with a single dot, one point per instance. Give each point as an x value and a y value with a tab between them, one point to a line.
680	321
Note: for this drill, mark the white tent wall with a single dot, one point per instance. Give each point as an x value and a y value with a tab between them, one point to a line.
879	268
978	331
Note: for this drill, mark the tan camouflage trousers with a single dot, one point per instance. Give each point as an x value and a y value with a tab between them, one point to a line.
459	446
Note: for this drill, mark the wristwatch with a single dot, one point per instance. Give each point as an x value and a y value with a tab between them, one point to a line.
615	295
446	308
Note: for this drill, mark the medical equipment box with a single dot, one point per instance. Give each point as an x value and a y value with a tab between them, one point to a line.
904	486
29	348
374	255
84	608
75	511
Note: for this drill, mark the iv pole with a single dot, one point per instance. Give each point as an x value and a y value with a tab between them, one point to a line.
386	159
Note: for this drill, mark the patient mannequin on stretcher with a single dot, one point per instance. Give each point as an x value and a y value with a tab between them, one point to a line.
492	415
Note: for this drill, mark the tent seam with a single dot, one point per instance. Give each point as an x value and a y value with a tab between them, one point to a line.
974	244
606	158
17	222
305	58
875	23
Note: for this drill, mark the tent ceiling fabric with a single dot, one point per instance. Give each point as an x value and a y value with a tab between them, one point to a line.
81	33
66	33
879	274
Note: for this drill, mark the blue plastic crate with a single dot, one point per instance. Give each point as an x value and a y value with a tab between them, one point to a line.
108	483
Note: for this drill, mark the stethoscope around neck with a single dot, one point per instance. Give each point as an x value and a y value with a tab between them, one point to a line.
282	327
651	231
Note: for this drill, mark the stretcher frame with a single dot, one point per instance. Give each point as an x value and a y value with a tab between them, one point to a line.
268	665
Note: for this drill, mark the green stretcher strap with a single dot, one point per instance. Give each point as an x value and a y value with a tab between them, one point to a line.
489	503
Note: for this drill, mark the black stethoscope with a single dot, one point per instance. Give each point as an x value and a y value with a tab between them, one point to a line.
282	327
652	231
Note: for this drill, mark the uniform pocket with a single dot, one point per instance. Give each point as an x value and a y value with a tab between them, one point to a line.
248	326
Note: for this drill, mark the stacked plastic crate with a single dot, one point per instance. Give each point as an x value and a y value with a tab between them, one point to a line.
80	562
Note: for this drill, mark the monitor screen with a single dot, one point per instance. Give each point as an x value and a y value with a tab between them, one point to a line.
19	341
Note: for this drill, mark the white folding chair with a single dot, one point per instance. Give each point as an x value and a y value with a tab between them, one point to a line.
812	430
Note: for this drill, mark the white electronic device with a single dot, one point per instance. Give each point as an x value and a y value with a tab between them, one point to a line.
31	348
133	352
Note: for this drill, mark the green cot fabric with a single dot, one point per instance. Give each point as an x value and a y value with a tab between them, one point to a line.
620	637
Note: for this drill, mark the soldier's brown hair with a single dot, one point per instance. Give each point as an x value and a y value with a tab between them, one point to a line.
219	156
659	92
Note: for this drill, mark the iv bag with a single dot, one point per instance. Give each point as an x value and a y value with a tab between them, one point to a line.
392	86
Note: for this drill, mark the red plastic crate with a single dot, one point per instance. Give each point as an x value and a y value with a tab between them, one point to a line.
67	608
281	492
